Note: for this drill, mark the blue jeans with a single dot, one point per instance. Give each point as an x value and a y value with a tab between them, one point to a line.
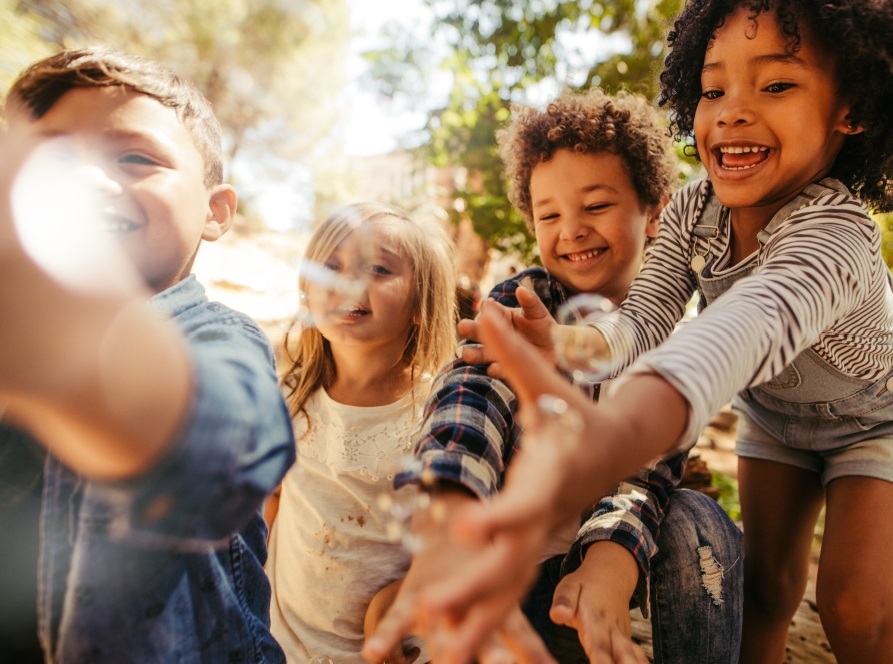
696	589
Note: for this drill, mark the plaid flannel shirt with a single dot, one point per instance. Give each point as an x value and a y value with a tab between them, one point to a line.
470	432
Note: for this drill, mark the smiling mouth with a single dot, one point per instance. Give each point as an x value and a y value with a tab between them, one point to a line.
351	312
740	157
584	255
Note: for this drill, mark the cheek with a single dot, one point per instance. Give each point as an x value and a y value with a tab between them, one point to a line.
544	238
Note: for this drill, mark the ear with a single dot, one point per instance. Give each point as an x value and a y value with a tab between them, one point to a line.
221	212
848	127
652	226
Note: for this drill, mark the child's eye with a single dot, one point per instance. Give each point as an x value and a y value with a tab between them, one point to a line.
136	159
332	265
776	88
711	94
547	217
378	270
597	207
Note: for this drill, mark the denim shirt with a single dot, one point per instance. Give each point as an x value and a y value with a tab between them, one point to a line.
168	567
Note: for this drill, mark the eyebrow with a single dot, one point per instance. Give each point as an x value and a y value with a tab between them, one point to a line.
585	190
390	253
770	58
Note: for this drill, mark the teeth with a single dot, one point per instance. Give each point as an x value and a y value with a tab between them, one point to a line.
592	253
739	149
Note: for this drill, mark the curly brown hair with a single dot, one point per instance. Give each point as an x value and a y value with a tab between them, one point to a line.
857	33
624	124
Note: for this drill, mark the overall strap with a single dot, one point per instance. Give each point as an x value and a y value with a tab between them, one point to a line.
706	227
810	192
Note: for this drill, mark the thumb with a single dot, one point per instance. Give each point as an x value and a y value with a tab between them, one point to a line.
520	362
565	602
531	304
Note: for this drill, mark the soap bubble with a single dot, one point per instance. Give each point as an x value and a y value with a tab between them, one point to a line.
554	421
60	213
580	349
398	506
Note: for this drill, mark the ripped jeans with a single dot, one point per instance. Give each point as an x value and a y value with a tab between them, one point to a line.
696	589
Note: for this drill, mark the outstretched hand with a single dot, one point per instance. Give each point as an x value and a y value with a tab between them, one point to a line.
548	483
531	320
594	600
491	632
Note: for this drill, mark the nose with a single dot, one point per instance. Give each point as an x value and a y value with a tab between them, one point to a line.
573	228
734	111
97	180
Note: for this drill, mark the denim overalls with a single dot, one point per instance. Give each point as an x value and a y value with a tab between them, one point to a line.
810	406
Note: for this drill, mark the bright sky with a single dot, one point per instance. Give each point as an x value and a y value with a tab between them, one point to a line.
372	128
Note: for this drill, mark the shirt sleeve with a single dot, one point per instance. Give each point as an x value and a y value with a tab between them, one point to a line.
819	283
631	517
470	430
231	451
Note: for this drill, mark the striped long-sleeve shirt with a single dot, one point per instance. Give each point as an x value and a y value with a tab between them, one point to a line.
820	282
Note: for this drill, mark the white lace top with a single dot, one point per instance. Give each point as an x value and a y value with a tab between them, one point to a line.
329	550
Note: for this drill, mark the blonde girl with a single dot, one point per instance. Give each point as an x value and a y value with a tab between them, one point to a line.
357	382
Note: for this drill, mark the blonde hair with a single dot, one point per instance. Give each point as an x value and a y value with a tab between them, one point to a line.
432	338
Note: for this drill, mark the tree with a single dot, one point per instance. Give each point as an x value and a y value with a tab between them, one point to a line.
498	52
273	69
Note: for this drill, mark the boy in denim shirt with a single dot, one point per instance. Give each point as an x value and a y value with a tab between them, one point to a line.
163	439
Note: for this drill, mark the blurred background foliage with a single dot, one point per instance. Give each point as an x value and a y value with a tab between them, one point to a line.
276	72
494	53
273	69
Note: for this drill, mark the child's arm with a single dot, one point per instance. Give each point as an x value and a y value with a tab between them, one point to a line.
271	507
547	484
97	377
442	555
594	600
376	610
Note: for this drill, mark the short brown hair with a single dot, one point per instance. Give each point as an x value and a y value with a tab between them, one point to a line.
623	124
41	85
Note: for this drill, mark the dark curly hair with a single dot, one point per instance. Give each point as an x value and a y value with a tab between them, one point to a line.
859	34
623	124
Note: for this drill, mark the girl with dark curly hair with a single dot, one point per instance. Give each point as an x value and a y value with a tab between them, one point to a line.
788	105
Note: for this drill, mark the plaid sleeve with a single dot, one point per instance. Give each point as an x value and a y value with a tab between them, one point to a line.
470	431
631	517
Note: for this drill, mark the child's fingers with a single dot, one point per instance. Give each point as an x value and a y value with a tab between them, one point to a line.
523	641
565	602
531	305
502	571
525	368
396	623
467	329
